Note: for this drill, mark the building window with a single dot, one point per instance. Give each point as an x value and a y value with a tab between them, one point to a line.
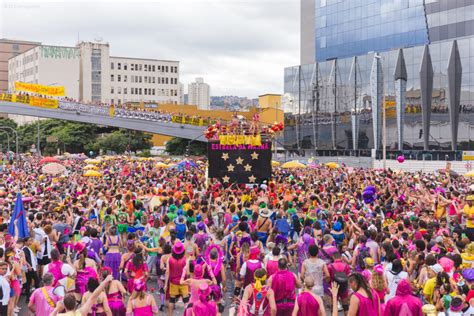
166	69
153	68
166	80
140	91
112	78
131	67
153	91
146	68
153	78
140	67
112	66
323	41
119	66
124	90
159	68
112	101
145	90
119	78
15	47
124	66
140	79
323	21
146	78
112	91
323	3
119	90
124	78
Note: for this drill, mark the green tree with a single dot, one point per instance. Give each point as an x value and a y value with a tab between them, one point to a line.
178	146
3	134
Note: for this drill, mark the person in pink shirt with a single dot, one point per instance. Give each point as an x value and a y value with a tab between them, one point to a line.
43	300
404	301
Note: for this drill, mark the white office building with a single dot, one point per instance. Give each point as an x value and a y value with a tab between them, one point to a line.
90	74
199	94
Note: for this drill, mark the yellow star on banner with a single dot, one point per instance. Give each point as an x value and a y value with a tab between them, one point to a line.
248	168
225	156
254	155
239	161
230	168
225	179
252	179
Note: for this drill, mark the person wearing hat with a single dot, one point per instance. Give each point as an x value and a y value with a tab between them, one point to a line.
174	269
284	284
468	213
140	302
429	310
430	284
264	223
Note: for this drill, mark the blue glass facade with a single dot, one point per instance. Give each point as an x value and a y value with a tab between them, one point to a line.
347	28
324	99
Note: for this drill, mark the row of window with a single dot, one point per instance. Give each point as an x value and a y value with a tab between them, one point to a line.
145	79
146	67
119	101
146	91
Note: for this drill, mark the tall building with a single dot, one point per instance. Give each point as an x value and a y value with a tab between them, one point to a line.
181	93
90	74
199	94
10	48
415	58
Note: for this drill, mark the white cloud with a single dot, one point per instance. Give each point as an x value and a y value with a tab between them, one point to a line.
240	47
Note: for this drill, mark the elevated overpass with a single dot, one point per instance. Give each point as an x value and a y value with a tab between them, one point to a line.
168	128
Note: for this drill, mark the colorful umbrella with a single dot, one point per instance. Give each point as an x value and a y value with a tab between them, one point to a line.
92	161
332	165
275	163
293	165
48	160
53	168
161	165
91	167
92	173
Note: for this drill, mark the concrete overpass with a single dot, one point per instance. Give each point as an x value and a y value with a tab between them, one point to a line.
164	128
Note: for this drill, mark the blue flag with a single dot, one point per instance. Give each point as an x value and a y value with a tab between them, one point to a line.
19	216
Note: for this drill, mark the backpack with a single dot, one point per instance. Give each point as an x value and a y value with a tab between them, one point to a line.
364	252
341	278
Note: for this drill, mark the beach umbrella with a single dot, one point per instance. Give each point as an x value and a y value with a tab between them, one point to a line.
92	161
332	165
48	160
470	174
275	163
18	216
293	165
161	165
91	167
53	168
92	173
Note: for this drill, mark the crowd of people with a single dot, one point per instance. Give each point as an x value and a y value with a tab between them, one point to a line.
142	240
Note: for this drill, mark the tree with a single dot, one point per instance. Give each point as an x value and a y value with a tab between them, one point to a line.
122	140
178	146
3	134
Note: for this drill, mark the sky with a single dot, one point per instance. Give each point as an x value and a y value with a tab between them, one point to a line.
239	47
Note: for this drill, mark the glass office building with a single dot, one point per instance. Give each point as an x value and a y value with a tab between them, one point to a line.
412	58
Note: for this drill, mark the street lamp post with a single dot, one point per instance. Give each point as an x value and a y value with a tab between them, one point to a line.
16	137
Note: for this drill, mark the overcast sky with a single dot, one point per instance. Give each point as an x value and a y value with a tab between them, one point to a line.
240	47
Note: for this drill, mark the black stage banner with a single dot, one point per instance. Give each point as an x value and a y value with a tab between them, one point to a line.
240	163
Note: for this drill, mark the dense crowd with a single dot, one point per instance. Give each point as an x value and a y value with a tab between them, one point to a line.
143	238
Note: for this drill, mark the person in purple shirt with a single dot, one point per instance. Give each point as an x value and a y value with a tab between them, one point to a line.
96	243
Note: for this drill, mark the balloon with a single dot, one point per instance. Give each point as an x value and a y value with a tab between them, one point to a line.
400	159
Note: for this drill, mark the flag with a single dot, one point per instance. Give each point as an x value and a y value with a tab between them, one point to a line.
19	215
240	163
